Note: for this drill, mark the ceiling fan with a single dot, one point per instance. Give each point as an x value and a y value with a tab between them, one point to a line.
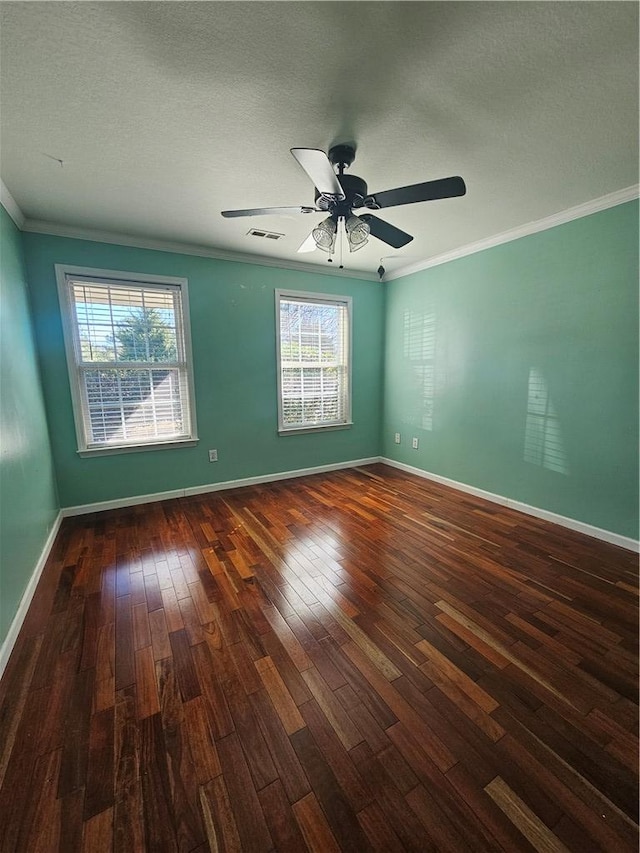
339	195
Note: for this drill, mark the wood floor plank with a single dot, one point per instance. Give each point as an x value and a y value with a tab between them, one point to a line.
402	820
71	824
128	822
316	831
217	707
41	827
252	828
181	773
486	813
253	744
99	787
350	661
159	817
203	748
146	687
98	833
280	818
348	776
334	802
282	700
285	760
439	827
379	833
125	668
332	709
141	629
75	751
219	821
185	668
521	815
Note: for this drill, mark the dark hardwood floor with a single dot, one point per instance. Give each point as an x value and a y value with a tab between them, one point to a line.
355	661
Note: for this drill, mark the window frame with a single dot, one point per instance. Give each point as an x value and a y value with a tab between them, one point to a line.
322	299
66	274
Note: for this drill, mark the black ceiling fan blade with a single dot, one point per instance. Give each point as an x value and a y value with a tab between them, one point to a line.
428	191
386	232
265	211
316	164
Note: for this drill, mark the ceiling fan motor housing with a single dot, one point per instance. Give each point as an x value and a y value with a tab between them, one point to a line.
355	190
342	156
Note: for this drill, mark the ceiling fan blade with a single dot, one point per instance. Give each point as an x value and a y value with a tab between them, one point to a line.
264	211
316	164
386	232
309	245
428	191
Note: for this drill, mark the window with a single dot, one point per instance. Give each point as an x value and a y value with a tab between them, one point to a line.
129	358
313	361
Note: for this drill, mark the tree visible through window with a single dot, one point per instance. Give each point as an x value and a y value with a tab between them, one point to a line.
129	369
313	361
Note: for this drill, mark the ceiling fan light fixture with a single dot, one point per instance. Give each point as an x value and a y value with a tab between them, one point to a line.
325	235
357	232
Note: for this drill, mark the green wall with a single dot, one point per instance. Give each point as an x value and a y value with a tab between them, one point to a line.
28	500
517	370
233	332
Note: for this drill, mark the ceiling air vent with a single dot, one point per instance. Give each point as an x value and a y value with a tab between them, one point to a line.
267	235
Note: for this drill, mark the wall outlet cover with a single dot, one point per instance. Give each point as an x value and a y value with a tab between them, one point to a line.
213	456
414	444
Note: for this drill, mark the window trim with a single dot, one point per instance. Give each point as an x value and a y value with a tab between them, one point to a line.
312	297
65	272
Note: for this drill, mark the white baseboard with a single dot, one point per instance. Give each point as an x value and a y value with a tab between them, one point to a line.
546	515
14	629
537	512
119	503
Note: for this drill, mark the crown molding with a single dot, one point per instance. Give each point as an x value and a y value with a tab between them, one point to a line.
55	229
10	205
564	216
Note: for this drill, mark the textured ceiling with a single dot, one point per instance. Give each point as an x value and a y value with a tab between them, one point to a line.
164	114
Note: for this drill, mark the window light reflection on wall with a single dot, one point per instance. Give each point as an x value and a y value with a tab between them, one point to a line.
543	443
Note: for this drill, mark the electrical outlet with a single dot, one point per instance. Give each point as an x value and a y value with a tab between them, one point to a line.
213	456
414	444
397	438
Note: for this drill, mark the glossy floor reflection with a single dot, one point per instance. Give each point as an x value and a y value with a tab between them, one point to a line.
355	661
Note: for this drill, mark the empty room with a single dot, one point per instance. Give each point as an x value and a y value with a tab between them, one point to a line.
319	475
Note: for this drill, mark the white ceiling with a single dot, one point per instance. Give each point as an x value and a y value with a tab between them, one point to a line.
166	113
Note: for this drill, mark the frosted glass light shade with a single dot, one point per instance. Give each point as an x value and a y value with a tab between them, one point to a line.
357	232
325	235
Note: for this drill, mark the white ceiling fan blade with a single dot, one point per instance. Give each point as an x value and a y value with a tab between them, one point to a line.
309	245
316	164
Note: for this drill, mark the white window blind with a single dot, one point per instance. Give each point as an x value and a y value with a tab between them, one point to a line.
313	355
130	364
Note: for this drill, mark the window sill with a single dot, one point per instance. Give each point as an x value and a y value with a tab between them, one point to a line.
310	429
135	448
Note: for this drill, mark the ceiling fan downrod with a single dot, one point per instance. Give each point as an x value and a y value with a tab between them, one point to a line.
342	156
